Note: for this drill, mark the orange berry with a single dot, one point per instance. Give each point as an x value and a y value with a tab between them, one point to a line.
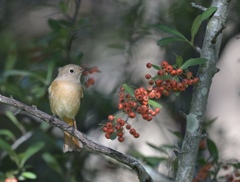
128	126
180	86
136	135
195	80
120	106
160	72
132	131
110	130
179	71
132	115
109	125
185	82
164	64
120	139
120	134
148	76
158	83
137	91
107	135
169	68
157	110
158	95
151	95
149	65
110	117
151	82
149	118
93	69
127	110
105	129
90	81
173	72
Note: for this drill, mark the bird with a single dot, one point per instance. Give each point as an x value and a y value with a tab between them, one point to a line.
65	96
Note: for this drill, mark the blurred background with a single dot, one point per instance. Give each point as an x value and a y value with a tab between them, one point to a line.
37	37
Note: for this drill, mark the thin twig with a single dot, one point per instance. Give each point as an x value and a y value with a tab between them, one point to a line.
195	5
72	35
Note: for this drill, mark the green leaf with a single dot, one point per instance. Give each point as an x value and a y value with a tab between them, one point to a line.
62	6
161	149
128	89
15	121
13	156
167	77
54	24
179	61
8	134
168	40
33	149
213	150
113	136
193	62
154	161
171	31
52	162
209	12
199	19
156	66
177	134
195	27
154	104
29	175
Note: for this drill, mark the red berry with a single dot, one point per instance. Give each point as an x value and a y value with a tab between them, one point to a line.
107	135
160	72
132	115
136	135
149	65
120	134
164	64
148	76
179	71
110	117
128	126
180	86
109	125
169	68
173	72
195	80
132	131
120	139
105	129
120	106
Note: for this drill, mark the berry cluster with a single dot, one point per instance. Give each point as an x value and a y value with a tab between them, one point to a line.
170	79
89	81
139	101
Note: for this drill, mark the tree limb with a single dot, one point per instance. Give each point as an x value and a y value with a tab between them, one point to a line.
143	176
210	51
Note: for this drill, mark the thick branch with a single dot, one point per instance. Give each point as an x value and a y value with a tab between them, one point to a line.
132	163
210	51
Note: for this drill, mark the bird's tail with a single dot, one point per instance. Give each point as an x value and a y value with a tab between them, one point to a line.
70	142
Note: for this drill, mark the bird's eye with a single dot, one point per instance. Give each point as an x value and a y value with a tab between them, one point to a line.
71	70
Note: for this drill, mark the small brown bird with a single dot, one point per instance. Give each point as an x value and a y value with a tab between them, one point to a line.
65	94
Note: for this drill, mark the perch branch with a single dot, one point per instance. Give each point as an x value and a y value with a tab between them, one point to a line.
132	163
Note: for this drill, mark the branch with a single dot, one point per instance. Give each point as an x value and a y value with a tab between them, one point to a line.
195	5
143	176
210	51
72	33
